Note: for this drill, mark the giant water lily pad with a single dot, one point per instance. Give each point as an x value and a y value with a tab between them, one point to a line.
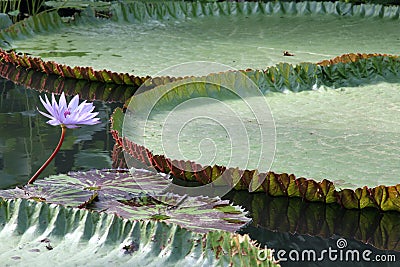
321	133
166	32
325	133
39	234
349	135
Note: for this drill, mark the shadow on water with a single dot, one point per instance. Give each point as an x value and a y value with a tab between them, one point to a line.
26	140
294	225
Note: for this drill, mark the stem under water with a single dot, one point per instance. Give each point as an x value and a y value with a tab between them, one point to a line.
35	176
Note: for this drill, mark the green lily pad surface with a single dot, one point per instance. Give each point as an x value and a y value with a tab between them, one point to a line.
348	135
345	135
144	39
39	234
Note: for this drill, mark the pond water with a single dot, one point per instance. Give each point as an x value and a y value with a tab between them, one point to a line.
292	224
26	141
287	242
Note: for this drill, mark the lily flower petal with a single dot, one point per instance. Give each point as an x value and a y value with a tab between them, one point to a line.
70	115
73	104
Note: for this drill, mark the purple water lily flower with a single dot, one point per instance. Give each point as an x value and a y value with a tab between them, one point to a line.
67	116
71	115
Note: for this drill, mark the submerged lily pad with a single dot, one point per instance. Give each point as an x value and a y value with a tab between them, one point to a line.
114	184
39	234
134	194
199	214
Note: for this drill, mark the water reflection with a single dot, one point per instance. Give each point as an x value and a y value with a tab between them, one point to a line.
26	140
380	229
292	224
288	242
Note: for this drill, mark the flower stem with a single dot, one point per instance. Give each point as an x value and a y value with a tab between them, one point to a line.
35	176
